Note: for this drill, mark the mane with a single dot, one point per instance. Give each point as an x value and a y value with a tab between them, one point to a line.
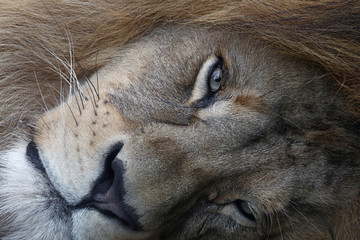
46	43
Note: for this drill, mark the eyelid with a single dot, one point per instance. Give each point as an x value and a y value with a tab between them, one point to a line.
201	87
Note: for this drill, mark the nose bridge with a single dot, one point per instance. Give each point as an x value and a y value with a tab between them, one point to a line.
172	150
161	165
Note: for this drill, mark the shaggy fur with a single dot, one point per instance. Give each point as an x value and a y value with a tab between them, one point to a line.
37	39
273	155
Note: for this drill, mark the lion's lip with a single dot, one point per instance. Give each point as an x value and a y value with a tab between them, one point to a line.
114	212
33	157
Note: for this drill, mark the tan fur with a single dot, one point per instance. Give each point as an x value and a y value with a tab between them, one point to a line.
324	32
77	77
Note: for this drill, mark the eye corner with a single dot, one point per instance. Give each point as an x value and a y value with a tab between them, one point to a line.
220	59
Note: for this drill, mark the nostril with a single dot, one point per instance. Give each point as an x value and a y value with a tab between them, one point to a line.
111	155
108	193
109	158
104	182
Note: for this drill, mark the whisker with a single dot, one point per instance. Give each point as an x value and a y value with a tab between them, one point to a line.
45	107
75	134
41	94
313	225
61	95
72	78
77	102
97	76
277	219
92	87
76	122
71	70
269	223
81	96
92	100
290	220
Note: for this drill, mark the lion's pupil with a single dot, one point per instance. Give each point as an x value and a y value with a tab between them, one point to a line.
215	79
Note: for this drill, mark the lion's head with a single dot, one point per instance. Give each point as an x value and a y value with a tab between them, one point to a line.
179	120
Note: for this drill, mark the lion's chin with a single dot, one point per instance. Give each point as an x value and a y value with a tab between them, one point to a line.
29	208
91	224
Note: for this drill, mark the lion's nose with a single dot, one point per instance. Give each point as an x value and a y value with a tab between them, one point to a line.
108	193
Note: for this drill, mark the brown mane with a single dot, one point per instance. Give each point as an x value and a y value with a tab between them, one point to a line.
323	32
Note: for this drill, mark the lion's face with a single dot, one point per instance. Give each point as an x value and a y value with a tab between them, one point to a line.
189	134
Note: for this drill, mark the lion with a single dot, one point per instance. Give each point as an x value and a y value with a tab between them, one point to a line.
179	120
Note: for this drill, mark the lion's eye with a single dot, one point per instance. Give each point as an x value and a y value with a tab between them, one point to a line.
215	79
246	209
209	81
241	211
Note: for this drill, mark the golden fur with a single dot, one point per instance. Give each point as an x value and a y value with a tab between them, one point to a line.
274	154
323	32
